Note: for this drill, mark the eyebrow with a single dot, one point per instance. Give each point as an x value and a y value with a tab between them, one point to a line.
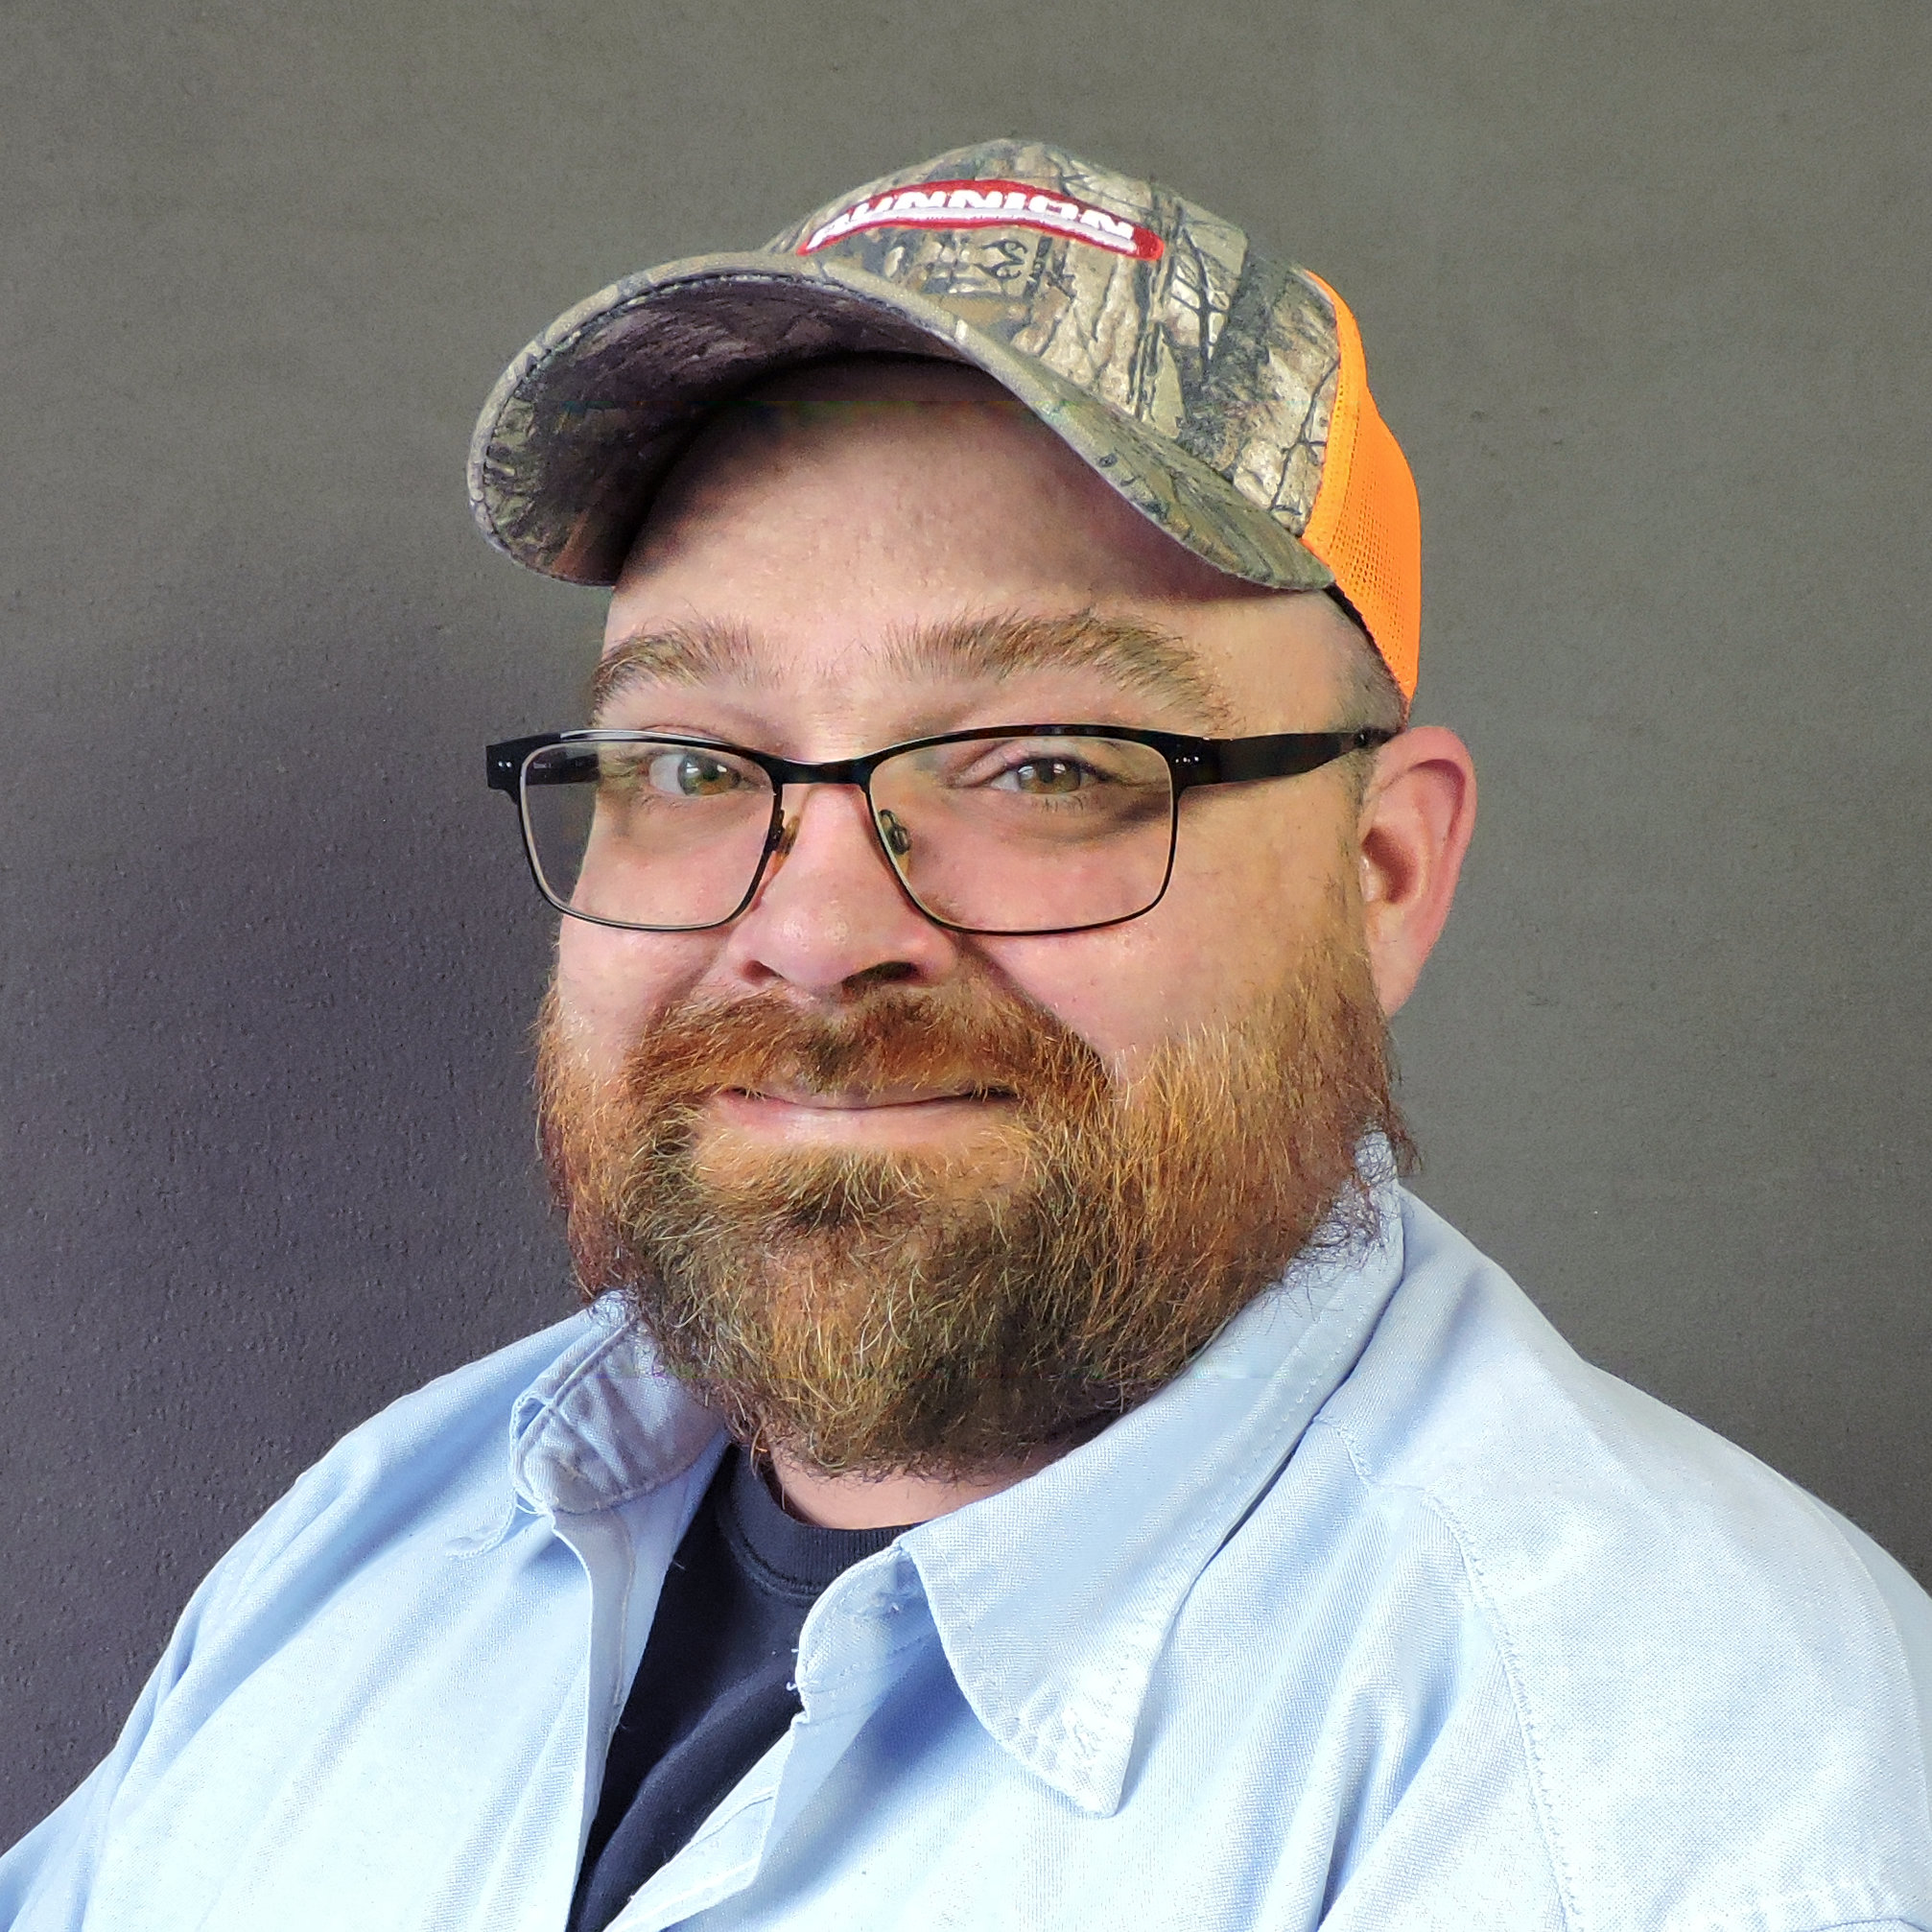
1138	658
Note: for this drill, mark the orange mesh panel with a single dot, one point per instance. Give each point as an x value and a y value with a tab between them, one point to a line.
1366	524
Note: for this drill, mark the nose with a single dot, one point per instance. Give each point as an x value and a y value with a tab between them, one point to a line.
829	908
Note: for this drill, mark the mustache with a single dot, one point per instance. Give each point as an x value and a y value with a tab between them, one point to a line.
972	1040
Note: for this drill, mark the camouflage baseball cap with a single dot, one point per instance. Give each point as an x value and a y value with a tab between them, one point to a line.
1221	393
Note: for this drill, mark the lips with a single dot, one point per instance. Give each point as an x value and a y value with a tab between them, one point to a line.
854	1099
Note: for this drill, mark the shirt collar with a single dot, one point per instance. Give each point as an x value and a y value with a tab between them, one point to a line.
603	1422
1054	1598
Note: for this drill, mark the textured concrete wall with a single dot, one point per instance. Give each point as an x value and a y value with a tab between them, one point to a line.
1644	291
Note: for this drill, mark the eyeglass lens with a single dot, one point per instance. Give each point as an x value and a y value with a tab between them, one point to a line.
1002	834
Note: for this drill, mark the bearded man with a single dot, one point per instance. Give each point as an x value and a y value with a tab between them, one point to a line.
1027	1461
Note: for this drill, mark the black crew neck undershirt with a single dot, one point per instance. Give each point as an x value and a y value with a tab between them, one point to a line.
714	1691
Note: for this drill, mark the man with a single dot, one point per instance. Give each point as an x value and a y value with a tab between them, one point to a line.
1029	1462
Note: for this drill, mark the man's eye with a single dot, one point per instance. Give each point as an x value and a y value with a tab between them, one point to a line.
692	774
1046	777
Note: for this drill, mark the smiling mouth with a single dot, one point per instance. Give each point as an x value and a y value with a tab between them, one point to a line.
868	1101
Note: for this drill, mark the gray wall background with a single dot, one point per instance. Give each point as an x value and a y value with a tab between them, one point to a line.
1644	288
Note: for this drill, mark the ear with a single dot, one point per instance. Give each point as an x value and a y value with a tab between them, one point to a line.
1416	821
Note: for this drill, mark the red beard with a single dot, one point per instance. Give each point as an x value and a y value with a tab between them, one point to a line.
933	1313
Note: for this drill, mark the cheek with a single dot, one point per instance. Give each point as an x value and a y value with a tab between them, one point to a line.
609	984
1257	876
1123	989
1248	889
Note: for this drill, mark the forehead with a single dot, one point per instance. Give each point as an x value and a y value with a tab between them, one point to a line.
911	522
924	462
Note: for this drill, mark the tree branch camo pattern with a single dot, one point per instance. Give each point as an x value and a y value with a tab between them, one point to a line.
1200	384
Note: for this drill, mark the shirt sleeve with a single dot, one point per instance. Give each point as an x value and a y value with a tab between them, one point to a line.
1911	1613
433	1462
46	1877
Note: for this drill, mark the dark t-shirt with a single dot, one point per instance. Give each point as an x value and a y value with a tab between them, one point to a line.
714	1691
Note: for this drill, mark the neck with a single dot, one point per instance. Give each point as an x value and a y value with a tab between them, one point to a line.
878	1503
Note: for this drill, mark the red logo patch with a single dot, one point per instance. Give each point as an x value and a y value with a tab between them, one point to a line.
988	204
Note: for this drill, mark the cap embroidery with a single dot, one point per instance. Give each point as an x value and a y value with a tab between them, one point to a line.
988	204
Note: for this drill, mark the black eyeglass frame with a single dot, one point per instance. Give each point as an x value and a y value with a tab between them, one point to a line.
1191	762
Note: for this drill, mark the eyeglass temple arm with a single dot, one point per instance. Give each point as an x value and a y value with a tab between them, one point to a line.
504	761
1236	760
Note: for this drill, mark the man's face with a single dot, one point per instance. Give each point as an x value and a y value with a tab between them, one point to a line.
836	1129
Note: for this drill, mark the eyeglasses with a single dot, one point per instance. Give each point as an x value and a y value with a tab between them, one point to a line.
1009	829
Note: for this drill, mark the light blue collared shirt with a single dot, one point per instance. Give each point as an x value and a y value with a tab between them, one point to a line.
1388	1613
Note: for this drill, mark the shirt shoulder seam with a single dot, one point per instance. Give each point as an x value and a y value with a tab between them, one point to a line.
1837	1525
1513	1674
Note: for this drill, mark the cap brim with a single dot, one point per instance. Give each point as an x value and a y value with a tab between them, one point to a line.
575	439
